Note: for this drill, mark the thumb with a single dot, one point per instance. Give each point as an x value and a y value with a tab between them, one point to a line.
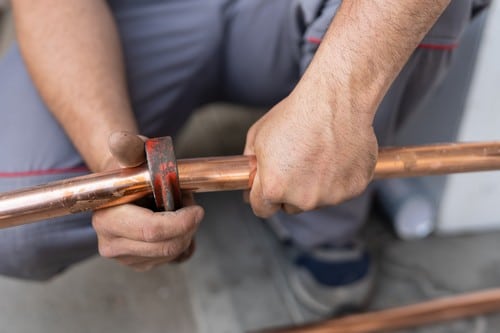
127	148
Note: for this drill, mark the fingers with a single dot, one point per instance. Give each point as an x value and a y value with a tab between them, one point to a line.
261	205
142	239
121	248
141	224
290	209
144	264
127	148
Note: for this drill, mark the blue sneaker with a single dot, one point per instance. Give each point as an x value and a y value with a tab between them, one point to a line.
332	280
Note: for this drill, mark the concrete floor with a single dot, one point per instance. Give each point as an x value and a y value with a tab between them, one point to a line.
237	282
237	279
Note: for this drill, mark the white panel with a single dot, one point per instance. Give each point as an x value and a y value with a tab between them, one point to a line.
472	201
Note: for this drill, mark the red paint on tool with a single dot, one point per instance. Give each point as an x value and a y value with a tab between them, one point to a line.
163	171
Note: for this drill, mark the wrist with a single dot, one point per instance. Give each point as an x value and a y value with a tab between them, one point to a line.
339	97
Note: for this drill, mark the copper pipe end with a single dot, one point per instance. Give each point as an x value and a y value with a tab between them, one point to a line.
437	159
73	195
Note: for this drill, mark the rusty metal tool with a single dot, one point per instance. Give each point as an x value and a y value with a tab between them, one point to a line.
166	178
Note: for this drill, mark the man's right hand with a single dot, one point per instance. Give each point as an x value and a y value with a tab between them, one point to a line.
136	236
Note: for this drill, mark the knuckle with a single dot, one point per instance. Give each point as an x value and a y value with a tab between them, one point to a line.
303	201
187	222
308	204
188	228
258	211
356	186
191	225
171	249
186	244
272	191
107	251
152	232
263	208
336	199
97	221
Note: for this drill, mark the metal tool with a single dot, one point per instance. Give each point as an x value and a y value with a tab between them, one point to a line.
166	178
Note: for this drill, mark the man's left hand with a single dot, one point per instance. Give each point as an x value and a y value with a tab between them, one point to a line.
309	155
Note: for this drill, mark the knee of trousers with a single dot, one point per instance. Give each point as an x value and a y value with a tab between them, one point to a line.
30	264
45	249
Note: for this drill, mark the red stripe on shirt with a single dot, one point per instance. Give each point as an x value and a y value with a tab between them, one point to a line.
442	47
42	172
314	40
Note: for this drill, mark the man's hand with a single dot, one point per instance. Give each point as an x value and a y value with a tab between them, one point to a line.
136	236
317	146
309	155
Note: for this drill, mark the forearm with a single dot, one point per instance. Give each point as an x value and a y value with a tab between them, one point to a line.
364	49
73	54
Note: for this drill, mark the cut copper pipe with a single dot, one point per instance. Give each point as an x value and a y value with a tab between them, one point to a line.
101	190
73	195
113	188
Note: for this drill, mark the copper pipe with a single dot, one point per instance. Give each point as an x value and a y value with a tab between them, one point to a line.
425	313
113	188
216	173
437	159
73	195
101	190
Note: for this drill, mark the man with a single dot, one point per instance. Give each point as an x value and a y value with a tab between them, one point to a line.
85	69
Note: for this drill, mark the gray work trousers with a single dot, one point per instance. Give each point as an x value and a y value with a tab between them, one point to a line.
181	54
